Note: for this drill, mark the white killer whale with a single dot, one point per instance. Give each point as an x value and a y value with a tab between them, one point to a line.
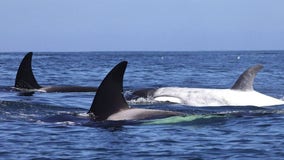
25	80
109	102
241	94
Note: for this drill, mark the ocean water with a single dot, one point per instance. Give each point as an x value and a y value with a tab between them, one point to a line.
56	126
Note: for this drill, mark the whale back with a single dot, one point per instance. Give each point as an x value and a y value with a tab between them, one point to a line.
109	98
246	79
25	78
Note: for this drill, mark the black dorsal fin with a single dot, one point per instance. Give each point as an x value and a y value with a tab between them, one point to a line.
25	78
109	98
245	81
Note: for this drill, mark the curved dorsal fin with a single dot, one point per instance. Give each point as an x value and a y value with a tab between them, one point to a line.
25	78
245	81
109	98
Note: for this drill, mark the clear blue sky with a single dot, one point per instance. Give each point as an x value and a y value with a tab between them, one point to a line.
135	25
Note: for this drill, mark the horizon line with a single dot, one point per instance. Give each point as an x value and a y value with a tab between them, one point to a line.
243	50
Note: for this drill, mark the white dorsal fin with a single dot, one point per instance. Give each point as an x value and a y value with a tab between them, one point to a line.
245	81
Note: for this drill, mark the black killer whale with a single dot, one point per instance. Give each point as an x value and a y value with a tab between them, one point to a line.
109	102
241	94
26	82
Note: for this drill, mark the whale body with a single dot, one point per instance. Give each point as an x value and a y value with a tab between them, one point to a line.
25	80
109	102
241	94
214	97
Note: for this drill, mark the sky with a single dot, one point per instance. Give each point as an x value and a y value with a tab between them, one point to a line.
141	25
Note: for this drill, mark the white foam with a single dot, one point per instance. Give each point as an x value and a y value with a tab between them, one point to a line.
142	100
66	123
83	114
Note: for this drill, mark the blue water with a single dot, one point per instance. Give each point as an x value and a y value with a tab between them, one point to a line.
55	126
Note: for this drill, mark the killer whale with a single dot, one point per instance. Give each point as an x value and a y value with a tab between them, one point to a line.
241	93
109	102
26	81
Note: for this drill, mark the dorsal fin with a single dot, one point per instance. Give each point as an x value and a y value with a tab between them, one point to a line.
25	78
245	81
109	98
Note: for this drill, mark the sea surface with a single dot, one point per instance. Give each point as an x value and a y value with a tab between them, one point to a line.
56	126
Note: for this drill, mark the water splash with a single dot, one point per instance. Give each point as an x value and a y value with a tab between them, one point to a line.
142	101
